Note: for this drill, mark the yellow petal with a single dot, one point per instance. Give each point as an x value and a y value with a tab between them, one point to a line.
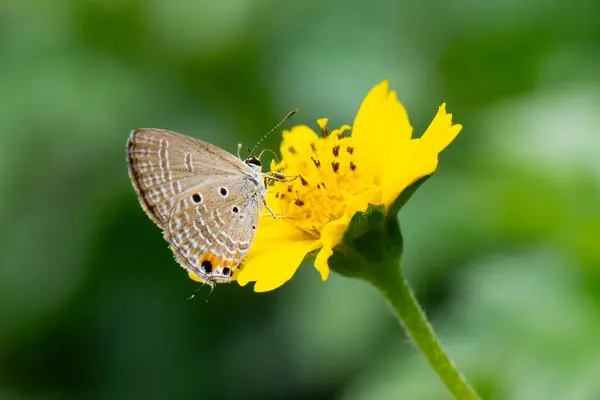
271	269
278	250
405	171
436	138
322	262
333	232
297	142
361	203
381	129
272	231
274	205
193	277
441	132
422	157
331	235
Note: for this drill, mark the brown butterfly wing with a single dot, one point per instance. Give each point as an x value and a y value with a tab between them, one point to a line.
179	182
164	164
212	227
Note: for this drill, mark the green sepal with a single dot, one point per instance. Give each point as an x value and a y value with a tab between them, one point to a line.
373	240
403	198
371	249
364	222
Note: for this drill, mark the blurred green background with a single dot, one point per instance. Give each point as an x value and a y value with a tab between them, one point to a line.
502	245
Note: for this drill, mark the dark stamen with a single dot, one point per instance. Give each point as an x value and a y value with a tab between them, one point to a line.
341	134
313	146
292	150
299	202
335	165
352	166
289	189
324	131
336	150
350	149
303	181
317	162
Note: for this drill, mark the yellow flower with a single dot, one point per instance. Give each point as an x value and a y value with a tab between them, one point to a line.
339	175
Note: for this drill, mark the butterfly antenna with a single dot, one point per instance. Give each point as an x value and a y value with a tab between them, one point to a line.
288	116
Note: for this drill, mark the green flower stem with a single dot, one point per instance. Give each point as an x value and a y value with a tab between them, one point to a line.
370	250
395	288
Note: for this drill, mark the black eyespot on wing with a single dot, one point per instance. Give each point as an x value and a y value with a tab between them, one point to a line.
253	161
253	226
223	191
236	210
196	198
227	271
206	267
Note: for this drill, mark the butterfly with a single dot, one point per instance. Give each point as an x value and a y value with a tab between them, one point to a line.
206	200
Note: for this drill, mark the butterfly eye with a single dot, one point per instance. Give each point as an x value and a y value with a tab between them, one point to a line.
196	198
223	192
253	161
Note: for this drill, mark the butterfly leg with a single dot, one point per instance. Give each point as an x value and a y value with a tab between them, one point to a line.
210	283
279	177
272	213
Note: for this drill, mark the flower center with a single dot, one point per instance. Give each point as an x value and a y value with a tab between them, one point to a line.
325	176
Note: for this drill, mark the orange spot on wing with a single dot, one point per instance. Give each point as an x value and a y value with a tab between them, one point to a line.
217	261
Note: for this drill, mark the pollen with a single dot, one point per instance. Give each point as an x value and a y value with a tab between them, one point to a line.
320	195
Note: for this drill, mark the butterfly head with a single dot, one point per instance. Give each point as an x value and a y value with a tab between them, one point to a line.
253	162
